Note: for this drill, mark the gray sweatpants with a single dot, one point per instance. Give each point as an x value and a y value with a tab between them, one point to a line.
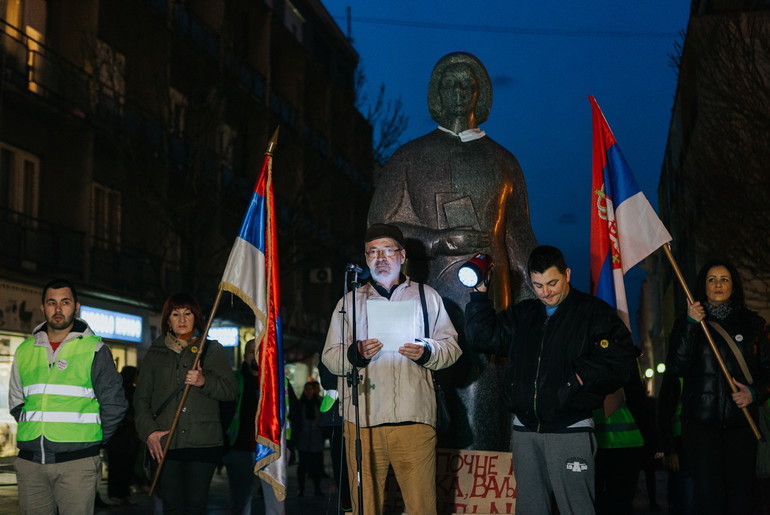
561	464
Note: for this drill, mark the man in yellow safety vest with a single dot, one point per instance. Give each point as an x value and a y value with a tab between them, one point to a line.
68	399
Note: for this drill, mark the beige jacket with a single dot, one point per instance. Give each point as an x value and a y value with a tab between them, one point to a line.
394	388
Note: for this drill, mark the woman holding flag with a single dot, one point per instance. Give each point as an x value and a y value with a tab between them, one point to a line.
717	440
167	369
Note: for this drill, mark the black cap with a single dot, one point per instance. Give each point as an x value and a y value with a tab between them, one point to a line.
376	231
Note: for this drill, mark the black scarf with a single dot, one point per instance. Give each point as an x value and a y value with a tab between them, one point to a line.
721	311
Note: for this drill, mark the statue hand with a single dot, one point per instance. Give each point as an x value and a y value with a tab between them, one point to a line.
455	242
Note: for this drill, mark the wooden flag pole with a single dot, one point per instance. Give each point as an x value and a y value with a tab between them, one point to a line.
270	149
185	392
712	343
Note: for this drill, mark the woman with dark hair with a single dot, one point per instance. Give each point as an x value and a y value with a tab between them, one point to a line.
167	368
718	443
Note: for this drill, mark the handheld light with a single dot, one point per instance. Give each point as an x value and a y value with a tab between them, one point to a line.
475	270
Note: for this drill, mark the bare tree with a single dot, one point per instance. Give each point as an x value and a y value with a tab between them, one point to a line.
675	58
386	117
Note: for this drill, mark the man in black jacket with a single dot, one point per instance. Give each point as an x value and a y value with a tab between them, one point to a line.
565	354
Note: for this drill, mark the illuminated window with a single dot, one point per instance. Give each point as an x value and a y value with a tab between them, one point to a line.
25	22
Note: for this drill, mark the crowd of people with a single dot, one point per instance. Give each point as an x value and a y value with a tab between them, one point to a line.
70	402
583	426
568	357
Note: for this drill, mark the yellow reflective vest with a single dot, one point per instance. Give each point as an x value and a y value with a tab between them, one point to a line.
618	431
59	399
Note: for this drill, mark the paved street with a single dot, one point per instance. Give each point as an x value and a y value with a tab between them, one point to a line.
217	505
218	502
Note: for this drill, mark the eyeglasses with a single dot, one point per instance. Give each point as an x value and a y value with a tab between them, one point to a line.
374	253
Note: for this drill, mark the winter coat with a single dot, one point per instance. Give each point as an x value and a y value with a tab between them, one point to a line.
162	372
706	395
394	388
583	337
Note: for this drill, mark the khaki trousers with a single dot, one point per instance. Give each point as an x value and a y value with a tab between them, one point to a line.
69	487
411	451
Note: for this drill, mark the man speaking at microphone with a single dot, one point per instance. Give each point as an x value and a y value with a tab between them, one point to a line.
396	355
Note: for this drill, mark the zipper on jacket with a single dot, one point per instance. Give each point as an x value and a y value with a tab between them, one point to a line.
537	372
42	413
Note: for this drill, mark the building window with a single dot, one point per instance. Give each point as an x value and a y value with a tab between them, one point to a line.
293	20
6	170
225	149
105	217
12	12
25	22
177	111
35	60
19	180
108	86
225	144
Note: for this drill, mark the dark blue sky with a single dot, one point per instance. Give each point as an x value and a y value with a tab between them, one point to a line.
544	58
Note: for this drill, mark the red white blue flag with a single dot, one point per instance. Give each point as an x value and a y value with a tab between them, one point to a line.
252	274
624	227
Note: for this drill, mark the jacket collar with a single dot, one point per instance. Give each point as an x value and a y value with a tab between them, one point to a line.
564	305
404	282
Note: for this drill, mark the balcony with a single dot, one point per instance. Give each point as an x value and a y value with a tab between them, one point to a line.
49	249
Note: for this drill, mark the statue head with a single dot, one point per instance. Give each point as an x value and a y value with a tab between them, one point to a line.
459	92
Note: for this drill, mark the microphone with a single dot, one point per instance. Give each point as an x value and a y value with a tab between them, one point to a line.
352	267
363	273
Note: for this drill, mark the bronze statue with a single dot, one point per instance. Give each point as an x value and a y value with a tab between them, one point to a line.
455	192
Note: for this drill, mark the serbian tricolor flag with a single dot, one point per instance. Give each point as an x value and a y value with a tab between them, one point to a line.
252	275
624	227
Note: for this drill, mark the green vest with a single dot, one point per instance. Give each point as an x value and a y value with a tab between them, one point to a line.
59	400
287	422
232	431
618	431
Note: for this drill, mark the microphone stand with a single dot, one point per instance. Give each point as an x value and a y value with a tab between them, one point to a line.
353	380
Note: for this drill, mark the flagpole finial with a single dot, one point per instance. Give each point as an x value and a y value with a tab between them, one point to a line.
273	143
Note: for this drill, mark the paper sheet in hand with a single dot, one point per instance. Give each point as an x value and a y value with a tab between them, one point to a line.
391	322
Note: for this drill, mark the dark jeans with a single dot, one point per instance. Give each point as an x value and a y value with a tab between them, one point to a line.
681	489
721	461
617	472
310	463
339	465
121	473
184	486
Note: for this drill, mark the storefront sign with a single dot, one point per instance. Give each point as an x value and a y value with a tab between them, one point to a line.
113	324
227	336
